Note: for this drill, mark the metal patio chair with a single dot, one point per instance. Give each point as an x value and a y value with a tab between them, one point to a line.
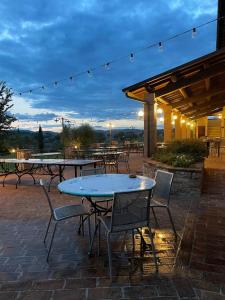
124	160
161	195
111	161
62	213
130	211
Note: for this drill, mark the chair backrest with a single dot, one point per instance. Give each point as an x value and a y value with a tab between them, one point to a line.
130	210
93	171
44	185
124	157
163	185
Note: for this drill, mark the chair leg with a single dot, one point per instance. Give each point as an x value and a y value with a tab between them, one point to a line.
50	246
109	254
92	240
172	223
46	233
89	229
153	248
155	218
99	236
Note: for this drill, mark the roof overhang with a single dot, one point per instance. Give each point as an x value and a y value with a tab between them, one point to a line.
195	89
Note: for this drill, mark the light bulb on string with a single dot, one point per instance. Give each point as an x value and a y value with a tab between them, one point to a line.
193	33
161	48
89	73
107	66
132	57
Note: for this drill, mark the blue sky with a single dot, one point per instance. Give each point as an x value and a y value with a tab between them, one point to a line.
45	41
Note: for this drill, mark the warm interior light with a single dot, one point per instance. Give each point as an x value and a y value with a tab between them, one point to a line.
173	122
192	125
13	151
159	110
140	113
188	123
183	121
174	117
220	116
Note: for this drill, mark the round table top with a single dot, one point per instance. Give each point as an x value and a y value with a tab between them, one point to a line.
104	185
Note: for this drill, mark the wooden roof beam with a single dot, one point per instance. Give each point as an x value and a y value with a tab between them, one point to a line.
210	93
207	113
207	108
186	81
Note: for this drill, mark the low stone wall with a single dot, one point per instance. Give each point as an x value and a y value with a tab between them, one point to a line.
187	181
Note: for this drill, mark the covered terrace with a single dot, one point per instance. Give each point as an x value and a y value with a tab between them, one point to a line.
187	95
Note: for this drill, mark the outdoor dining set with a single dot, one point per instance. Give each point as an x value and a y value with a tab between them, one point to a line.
117	203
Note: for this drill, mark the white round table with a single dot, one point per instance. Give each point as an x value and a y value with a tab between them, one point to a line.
104	185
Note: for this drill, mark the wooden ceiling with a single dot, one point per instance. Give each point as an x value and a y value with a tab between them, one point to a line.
195	89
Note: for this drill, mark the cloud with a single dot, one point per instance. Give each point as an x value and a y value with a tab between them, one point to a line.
43	41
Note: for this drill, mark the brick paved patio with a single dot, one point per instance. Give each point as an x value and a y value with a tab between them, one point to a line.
196	271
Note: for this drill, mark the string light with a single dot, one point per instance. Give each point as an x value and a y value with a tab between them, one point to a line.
132	57
193	33
89	73
107	66
160	46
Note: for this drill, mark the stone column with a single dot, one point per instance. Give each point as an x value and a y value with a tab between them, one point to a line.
178	127
149	125
223	123
188	129
167	123
183	129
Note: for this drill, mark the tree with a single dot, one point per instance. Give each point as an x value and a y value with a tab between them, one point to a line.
6	118
86	135
40	140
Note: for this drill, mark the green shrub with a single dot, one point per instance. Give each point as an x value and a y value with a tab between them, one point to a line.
196	149
182	160
182	153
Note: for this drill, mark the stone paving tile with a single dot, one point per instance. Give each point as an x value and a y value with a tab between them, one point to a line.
134	292
35	295
104	293
49	284
16	286
79	294
8	295
74	283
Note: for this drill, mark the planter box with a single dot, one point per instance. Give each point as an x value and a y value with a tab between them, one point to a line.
187	182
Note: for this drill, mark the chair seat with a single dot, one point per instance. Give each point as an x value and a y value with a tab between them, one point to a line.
68	211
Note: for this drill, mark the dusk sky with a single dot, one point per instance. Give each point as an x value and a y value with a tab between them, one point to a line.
46	41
